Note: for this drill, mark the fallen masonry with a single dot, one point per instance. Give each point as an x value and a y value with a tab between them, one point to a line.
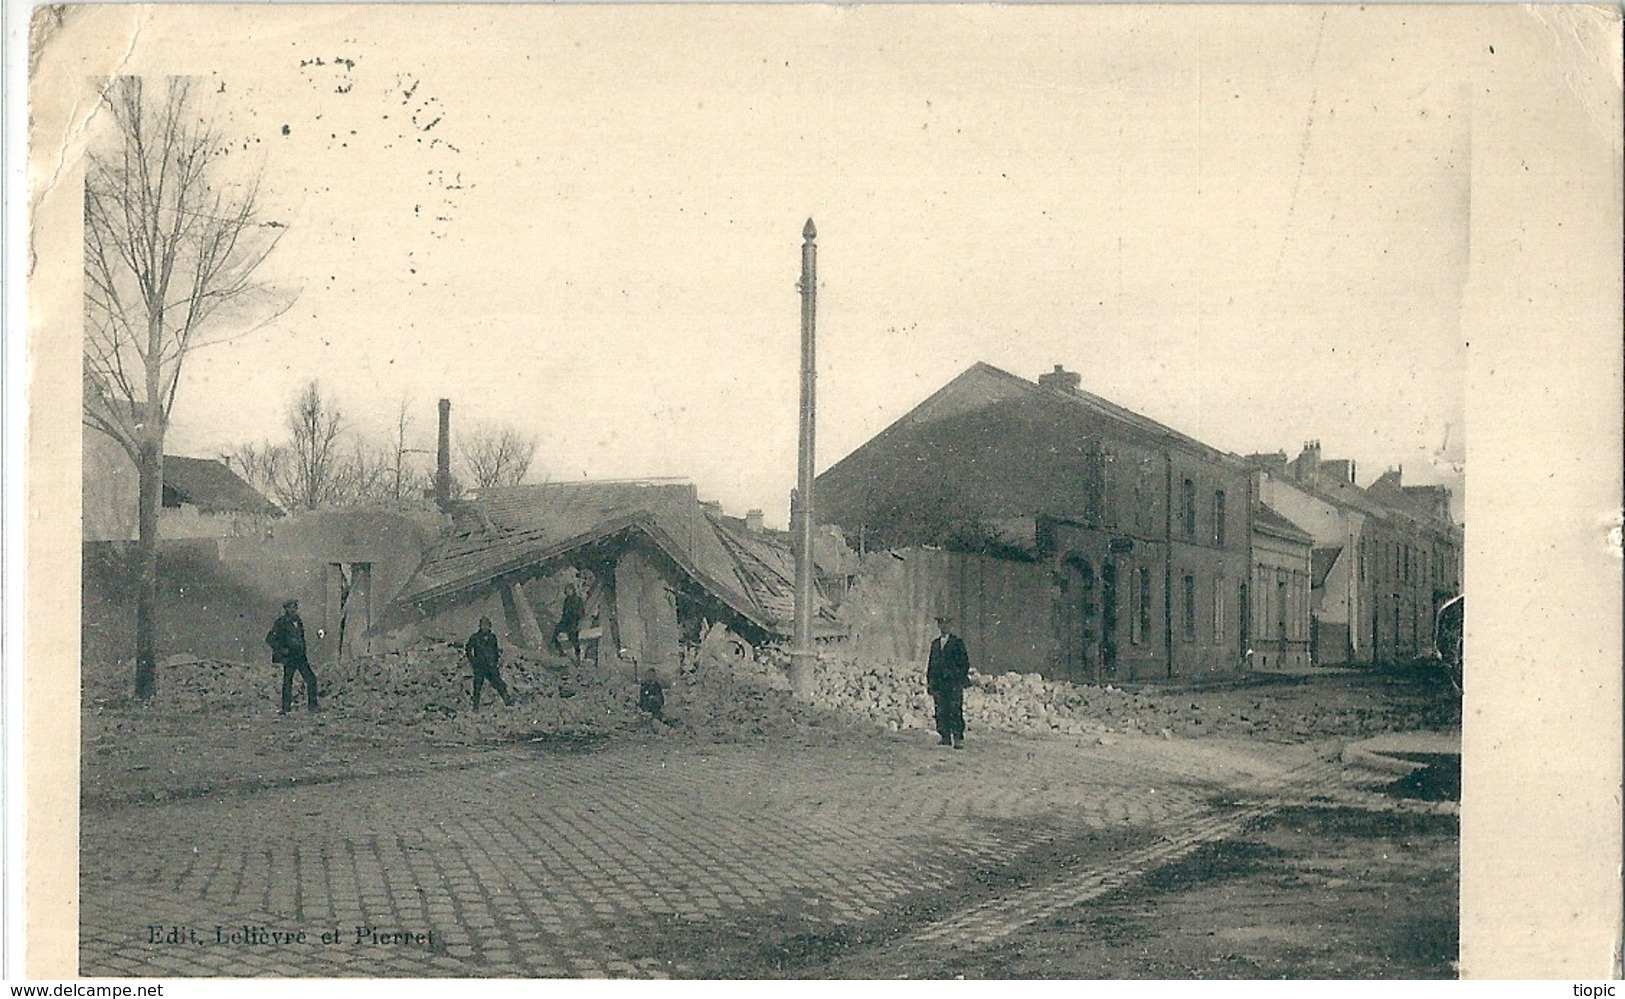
423	694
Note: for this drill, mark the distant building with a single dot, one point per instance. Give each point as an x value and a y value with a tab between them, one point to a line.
1385	558
1142	534
1281	630
203	497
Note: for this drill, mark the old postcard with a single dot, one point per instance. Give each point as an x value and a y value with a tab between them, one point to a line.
623	492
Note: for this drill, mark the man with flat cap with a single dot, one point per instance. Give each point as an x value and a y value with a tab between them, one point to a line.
287	641
484	655
946	677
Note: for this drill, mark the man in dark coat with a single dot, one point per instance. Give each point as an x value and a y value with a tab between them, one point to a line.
946	677
484	654
287	641
569	625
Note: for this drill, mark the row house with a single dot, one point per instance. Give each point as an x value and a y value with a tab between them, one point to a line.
1282	575
1141	535
1384	559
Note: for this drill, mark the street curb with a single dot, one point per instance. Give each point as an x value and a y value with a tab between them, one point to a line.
1357	755
1385	753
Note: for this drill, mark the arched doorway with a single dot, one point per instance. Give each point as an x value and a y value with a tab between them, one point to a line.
1077	620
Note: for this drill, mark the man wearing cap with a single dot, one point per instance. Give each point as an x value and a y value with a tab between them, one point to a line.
946	677
483	655
287	641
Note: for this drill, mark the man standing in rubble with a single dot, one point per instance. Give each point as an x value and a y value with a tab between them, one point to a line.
569	625
946	677
484	654
287	641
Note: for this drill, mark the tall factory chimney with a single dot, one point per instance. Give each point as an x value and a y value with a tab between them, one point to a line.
442	470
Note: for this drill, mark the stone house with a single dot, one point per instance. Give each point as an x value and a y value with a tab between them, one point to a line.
1135	536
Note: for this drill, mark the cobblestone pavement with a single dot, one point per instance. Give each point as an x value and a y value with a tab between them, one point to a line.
636	860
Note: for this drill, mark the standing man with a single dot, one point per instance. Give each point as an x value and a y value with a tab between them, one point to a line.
287	641
570	622
946	677
483	655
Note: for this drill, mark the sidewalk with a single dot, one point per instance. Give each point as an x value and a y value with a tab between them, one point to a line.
1402	753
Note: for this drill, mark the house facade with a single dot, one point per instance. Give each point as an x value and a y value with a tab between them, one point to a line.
202	497
1282	567
1143	532
1385	558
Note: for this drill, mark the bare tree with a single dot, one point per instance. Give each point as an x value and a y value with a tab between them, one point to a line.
260	466
171	249
496	456
310	471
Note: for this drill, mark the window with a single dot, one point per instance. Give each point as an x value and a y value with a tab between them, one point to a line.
1188	507
1094	483
1218	610
1218	517
1143	617
1190	607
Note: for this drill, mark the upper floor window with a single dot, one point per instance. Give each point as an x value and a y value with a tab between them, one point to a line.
1188	507
1218	517
1094	483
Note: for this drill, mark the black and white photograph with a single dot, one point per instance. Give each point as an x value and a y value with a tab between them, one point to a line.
793	492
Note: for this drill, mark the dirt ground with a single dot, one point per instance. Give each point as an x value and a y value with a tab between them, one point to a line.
1318	891
214	726
1308	893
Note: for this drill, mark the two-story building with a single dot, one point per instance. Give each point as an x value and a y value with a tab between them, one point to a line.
1384	559
1142	531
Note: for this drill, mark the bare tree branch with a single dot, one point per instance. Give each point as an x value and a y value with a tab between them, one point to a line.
496	456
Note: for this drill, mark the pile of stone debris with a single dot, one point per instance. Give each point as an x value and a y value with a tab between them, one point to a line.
892	695
725	691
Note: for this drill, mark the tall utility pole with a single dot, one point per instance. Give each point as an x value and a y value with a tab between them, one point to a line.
802	653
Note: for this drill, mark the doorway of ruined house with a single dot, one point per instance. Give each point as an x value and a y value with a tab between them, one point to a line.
349	607
1074	626
1108	617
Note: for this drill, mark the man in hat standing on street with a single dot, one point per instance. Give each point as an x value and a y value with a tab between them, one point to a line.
946	677
287	641
484	654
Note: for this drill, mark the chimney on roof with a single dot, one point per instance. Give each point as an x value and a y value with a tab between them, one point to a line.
713	507
753	522
1307	466
1061	380
442	471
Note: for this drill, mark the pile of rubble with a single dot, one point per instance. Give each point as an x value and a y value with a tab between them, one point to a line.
892	695
726	691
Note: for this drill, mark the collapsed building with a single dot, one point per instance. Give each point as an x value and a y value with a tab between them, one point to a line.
656	571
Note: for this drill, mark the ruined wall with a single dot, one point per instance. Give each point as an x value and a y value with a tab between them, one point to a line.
217	597
1002	609
207	607
646	607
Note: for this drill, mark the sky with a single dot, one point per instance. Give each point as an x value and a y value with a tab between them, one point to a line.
1252	225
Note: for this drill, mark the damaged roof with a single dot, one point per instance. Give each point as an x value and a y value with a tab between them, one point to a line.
515	528
212	487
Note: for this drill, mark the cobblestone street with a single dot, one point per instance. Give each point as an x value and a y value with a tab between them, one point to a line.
649	859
